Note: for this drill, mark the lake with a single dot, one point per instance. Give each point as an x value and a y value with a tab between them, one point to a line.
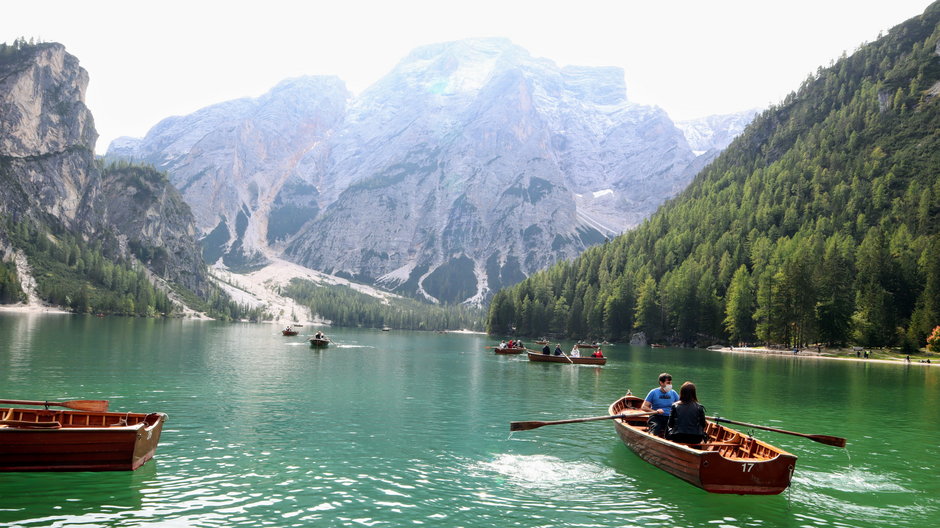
410	428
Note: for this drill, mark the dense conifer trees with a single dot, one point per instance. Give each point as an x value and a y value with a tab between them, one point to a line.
821	223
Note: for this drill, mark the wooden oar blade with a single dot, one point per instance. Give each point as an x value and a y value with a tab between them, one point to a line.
525	426
836	441
80	405
85	405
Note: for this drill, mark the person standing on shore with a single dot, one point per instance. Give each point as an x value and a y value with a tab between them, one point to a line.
660	400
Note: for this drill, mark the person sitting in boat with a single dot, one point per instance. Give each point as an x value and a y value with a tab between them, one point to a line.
660	400
547	350
575	352
598	353
558	349
687	419
519	344
502	344
512	344
319	335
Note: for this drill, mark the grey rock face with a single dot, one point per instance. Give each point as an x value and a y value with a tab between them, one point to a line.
47	134
715	133
47	139
232	160
469	166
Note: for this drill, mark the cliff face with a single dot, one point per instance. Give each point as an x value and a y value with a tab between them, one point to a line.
47	134
51	179
152	221
233	162
469	166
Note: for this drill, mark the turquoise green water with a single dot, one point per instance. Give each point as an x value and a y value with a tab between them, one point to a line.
408	429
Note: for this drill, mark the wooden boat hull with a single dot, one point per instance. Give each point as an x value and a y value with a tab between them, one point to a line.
289	332
545	358
319	343
584	345
43	440
732	463
507	350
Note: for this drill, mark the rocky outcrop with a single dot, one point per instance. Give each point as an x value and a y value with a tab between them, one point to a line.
149	216
47	134
51	178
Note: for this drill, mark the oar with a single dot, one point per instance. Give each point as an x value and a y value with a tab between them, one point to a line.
81	405
566	357
822	439
525	426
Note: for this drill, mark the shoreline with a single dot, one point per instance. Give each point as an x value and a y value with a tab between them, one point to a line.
806	353
32	308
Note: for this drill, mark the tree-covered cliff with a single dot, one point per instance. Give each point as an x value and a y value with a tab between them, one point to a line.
116	239
821	223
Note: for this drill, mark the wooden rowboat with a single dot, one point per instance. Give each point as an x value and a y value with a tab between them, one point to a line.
542	342
728	462
547	358
50	440
585	345
319	342
508	350
289	332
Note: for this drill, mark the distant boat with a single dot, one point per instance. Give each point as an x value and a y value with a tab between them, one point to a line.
289	332
508	350
78	440
548	358
385	329
319	342
542	341
657	345
585	345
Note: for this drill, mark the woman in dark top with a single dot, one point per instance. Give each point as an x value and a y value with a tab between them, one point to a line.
687	419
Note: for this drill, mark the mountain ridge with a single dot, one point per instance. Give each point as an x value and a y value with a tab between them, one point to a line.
457	141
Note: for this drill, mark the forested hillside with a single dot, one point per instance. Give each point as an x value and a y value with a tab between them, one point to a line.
819	224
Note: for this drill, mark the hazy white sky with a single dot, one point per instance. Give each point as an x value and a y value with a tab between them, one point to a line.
151	60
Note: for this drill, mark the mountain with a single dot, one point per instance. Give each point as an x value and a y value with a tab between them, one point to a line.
819	224
234	161
714	133
85	229
469	166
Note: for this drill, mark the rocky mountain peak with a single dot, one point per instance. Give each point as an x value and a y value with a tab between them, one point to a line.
42	101
468	166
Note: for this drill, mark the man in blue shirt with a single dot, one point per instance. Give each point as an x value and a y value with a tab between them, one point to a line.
660	400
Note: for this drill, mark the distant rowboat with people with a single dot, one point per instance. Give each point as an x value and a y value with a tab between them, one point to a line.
539	357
